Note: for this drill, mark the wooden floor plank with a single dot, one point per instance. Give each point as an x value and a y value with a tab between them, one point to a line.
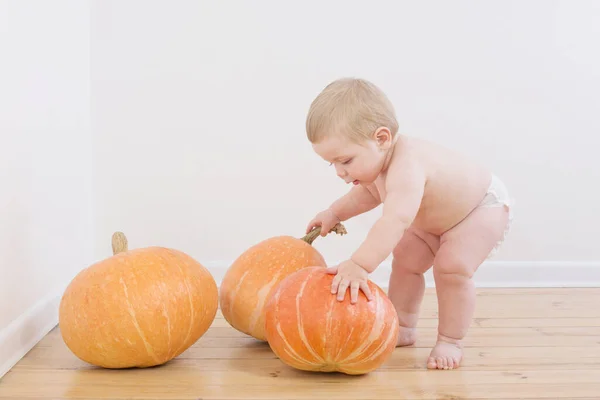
524	344
476	359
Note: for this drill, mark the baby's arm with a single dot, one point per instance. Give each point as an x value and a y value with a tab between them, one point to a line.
405	186
357	201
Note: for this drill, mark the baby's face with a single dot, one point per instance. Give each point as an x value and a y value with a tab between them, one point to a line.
354	163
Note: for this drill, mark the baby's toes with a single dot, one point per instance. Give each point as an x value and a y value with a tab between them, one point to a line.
451	363
456	362
442	363
431	364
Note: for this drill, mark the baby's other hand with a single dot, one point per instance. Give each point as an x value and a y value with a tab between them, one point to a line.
325	219
349	274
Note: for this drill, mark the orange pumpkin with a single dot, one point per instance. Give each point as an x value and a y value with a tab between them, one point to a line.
255	274
137	308
309	329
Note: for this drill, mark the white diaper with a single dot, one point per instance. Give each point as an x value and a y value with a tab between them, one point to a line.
497	196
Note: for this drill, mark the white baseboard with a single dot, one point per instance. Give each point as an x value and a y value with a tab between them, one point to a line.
27	330
495	274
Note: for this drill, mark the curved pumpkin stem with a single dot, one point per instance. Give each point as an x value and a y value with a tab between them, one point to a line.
316	232
119	243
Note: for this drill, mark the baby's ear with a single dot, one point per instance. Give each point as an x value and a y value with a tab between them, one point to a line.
383	137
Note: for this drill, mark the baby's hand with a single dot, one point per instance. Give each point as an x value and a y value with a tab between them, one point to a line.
350	274
325	219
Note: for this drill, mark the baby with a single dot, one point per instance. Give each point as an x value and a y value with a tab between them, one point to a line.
439	209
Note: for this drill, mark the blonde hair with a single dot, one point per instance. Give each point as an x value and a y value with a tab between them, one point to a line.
352	107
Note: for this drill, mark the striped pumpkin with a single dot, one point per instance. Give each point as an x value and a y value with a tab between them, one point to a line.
255	274
309	329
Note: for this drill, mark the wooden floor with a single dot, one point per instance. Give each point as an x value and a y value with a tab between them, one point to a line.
524	344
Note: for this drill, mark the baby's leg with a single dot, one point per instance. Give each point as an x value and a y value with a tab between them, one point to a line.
413	256
462	249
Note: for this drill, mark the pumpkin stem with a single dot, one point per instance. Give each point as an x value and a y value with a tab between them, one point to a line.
119	243
316	232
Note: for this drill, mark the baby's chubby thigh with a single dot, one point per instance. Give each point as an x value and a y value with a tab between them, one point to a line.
412	257
415	251
467	245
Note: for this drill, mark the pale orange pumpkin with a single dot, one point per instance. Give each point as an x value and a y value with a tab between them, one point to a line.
255	274
137	308
310	330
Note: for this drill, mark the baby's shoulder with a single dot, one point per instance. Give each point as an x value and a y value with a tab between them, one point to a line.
409	154
417	148
423	154
407	165
435	165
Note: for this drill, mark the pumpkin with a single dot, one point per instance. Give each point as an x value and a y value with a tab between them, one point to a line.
255	274
310	330
137	308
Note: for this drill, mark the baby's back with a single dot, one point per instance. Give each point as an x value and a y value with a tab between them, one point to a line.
455	184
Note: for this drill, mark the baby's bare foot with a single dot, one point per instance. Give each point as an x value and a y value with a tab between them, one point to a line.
447	354
407	336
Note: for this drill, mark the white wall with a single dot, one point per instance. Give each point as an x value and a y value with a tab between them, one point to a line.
45	164
199	113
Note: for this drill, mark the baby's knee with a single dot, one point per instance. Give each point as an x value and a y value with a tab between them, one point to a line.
400	268
405	265
453	265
